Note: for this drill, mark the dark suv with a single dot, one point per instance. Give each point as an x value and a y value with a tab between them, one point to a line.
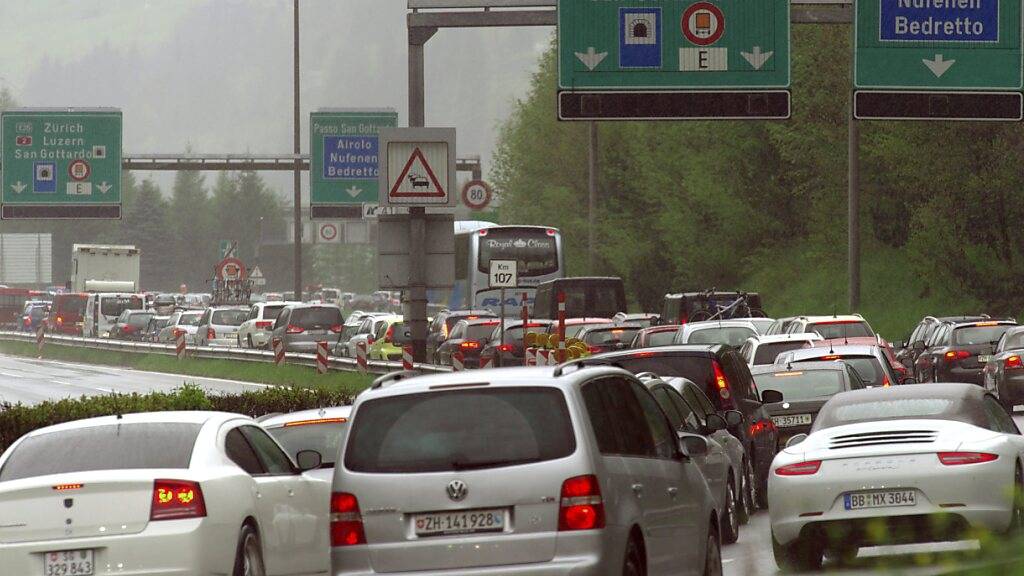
443	323
908	351
725	378
952	353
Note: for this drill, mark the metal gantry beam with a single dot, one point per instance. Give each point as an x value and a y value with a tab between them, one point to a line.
247	162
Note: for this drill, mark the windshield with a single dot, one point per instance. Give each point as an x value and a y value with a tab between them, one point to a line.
112	306
229	317
974	335
460	430
70	307
535	251
190	319
325	438
840	330
802	384
734	336
767	353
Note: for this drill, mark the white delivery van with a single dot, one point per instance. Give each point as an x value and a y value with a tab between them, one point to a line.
103	308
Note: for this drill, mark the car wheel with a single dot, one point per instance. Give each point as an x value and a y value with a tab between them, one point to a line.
713	554
748	487
239	339
1017	515
801	555
760	490
634	563
742	511
249	557
731	524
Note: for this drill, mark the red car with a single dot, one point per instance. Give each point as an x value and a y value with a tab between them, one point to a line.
67	313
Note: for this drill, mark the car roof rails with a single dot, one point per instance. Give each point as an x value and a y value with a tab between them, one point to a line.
393	378
648	376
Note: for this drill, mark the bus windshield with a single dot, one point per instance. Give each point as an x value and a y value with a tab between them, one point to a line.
534	249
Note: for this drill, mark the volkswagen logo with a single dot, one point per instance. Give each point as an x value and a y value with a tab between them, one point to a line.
68	502
457	490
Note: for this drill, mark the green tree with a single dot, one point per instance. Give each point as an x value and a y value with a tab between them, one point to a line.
146	226
194	249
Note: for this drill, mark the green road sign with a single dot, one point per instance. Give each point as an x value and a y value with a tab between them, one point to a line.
344	163
61	163
669	44
938	44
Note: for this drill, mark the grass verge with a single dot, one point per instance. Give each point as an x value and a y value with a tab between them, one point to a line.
259	372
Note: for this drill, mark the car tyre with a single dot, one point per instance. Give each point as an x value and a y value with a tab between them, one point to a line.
731	521
633	565
748	487
713	554
742	511
801	555
249	557
248	340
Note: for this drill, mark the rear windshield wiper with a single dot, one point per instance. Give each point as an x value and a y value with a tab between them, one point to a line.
460	465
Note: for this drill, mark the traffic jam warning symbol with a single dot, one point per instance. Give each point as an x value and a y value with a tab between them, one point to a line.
79	170
703	24
417	179
640	38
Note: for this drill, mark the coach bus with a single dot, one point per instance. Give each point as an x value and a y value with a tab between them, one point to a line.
536	249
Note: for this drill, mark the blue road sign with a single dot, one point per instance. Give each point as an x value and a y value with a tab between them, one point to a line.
640	38
939	20
351	157
44	179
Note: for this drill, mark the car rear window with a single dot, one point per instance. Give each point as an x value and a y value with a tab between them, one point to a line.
460	430
229	317
109	447
70	306
114	305
139	320
320	317
766	353
661	338
272	312
733	336
868	368
802	384
697	369
834	330
324	437
480	331
610	336
190	319
971	335
840	411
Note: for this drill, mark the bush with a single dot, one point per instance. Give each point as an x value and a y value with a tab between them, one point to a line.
17	420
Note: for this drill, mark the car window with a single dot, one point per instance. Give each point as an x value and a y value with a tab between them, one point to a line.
739	376
1000	420
674	417
630	421
767	353
665	439
802	384
282	319
690	420
856	382
273	459
733	336
835	330
973	335
323	437
457	332
601	419
697	399
241	453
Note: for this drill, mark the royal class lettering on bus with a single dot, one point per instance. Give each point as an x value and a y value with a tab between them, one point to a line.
520	243
939	20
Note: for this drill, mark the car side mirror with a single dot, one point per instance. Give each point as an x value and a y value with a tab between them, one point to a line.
734	418
909	380
692	445
308	460
771	397
794	440
716	423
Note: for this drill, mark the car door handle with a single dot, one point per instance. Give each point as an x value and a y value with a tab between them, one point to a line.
638	489
291	493
673	491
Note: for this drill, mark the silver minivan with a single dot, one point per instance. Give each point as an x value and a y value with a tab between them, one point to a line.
525	471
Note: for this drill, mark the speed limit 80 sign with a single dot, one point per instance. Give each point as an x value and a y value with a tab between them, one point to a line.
504	274
476	194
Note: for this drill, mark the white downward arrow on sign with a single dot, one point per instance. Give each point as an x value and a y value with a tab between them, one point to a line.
938	66
18	187
592	58
354	191
104	187
756	58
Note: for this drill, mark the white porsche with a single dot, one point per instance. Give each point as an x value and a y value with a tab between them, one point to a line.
172	493
899	465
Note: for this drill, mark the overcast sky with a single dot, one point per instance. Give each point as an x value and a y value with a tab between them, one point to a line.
216	75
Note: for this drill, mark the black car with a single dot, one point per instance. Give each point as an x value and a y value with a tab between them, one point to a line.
907	352
793	395
511	352
1003	373
466	338
725	378
443	323
953	352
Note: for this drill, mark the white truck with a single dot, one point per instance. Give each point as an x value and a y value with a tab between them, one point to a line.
104	268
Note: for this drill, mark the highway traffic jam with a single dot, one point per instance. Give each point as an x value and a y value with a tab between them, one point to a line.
651	444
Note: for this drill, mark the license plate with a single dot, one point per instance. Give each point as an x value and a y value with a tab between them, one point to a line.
467	522
984	359
68	563
794	420
879	499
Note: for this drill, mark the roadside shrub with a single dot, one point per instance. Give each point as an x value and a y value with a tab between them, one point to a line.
17	420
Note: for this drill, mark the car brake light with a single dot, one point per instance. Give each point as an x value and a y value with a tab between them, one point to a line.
552	232
470	345
346	520
60	320
831	357
293	329
506	348
264	324
954	355
594	349
582	507
1012	363
336	328
128	329
959	458
720	381
28	322
800	469
211	334
176	499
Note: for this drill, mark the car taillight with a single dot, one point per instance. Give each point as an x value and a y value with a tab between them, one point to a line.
594	349
177	332
508	348
954	355
293	329
60	321
885	382
959	458
721	383
470	345
1013	363
128	329
336	328
801	469
389	334
346	520
177	499
28	322
582	507
266	324
211	334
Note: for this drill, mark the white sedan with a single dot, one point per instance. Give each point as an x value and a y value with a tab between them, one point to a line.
906	464
182	493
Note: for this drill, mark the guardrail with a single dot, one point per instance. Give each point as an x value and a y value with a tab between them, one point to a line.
215	353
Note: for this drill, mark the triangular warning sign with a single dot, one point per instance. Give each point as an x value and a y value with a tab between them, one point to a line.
417	179
256	273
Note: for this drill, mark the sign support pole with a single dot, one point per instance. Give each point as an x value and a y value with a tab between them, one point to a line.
592	201
418	281
297	182
853	178
503	325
